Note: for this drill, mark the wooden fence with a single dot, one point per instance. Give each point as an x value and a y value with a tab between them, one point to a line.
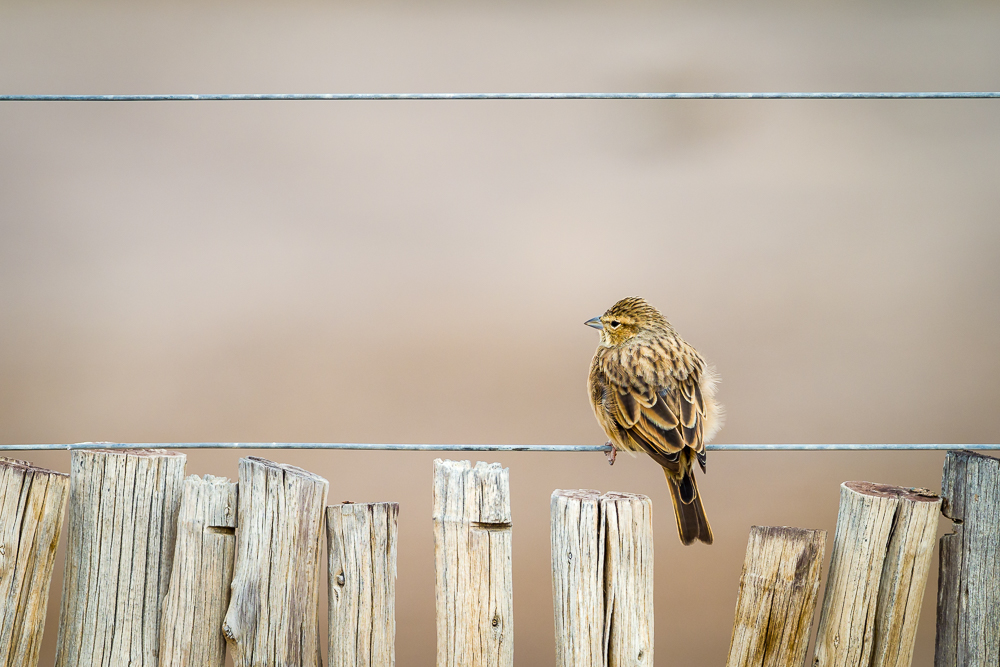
163	570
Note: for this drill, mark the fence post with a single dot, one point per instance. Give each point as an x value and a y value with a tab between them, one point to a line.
777	598
968	612
32	502
602	578
578	577
878	572
196	602
273	616
361	550
472	565
122	525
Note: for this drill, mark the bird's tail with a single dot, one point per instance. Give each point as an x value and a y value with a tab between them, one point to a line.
692	524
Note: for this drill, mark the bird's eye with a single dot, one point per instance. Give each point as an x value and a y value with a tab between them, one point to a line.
615	324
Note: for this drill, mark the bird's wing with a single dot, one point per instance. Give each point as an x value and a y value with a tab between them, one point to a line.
663	421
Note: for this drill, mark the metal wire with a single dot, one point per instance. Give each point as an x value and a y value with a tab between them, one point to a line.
502	96
479	448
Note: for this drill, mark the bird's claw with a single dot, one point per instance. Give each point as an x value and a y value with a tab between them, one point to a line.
611	454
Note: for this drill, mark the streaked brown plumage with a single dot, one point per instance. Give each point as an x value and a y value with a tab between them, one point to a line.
653	393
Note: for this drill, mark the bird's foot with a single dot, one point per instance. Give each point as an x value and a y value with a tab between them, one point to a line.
611	454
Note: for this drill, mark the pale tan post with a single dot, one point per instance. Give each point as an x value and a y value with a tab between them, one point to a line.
878	572
578	542
196	602
32	504
273	616
472	558
122	526
361	550
777	598
968	613
602	578
629	588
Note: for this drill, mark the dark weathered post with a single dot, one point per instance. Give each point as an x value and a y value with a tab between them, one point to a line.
968	613
777	599
878	571
32	504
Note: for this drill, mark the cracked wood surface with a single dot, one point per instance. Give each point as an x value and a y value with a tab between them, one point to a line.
602	578
196	602
273	617
361	549
968	614
32	504
122	526
878	572
777	598
472	565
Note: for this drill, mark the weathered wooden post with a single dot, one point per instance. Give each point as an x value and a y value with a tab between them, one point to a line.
578	595
122	525
196	602
273	616
628	595
361	549
32	503
968	612
777	597
602	578
472	559
878	572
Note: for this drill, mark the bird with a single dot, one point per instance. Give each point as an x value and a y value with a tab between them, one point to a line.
652	392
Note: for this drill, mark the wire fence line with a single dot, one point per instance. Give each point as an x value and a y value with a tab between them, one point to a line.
504	96
486	448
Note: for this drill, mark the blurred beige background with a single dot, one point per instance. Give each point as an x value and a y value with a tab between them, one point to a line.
421	271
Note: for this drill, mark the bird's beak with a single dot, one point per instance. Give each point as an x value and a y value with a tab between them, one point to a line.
594	322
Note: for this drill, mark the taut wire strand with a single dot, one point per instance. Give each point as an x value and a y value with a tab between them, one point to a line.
483	448
504	96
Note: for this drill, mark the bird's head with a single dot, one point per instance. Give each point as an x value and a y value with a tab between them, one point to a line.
627	319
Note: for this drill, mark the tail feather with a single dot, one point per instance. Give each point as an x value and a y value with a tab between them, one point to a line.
686	489
692	524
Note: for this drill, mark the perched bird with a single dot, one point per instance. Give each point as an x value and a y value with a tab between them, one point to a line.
653	393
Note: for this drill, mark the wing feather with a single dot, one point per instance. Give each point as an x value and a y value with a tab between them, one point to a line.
628	407
661	413
660	420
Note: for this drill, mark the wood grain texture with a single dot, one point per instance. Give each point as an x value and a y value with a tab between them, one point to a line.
361	549
628	596
273	616
32	505
122	525
602	578
472	559
777	598
198	596
578	543
878	572
904	577
968	613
